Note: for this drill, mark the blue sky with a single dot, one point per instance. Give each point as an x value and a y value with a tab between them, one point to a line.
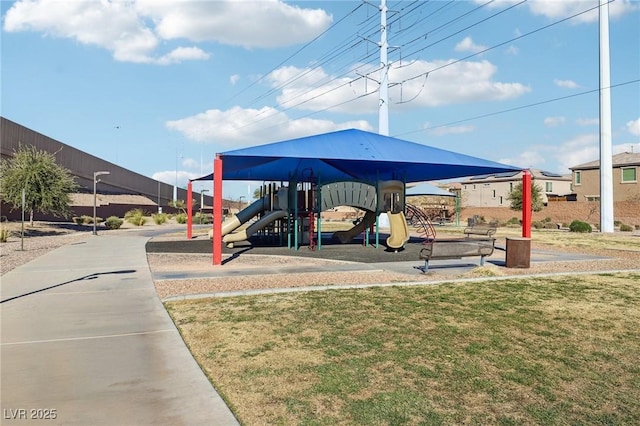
160	86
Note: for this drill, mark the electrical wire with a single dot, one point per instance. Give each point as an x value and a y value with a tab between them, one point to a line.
504	111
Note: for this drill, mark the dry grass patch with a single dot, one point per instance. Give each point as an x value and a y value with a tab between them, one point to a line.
537	351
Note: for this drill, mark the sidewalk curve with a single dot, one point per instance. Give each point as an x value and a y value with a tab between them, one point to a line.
86	340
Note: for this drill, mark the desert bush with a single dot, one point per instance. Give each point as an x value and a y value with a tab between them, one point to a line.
547	219
181	218
513	221
617	223
550	225
538	224
87	220
135	217
159	218
201	218
4	235
579	226
78	220
626	228
113	222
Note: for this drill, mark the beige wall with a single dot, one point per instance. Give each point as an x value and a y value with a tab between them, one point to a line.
495	193
590	185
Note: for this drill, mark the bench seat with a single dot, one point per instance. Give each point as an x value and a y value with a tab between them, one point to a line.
456	249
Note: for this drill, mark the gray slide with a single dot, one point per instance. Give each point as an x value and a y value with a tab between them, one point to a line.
244	234
244	215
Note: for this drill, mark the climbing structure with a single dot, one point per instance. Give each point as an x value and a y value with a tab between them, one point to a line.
417	218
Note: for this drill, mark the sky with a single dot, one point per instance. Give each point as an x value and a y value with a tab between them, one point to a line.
161	86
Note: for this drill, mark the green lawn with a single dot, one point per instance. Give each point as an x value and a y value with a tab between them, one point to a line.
547	351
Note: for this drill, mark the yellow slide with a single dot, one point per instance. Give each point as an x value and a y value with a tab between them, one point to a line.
346	236
399	230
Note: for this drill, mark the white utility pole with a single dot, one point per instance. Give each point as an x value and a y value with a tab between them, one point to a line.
383	112
606	152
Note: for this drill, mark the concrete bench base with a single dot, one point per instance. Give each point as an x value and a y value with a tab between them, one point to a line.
455	250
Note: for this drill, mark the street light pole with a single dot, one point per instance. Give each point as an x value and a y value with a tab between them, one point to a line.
202	191
95	181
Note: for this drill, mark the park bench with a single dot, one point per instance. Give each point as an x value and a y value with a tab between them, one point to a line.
456	249
483	231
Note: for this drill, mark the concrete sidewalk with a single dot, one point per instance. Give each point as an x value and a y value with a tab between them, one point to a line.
86	341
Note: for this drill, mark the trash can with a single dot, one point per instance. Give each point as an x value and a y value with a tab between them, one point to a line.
518	252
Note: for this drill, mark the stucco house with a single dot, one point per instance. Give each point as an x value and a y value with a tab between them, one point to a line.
492	190
586	178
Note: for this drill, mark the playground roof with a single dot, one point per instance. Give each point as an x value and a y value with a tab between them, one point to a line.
350	155
428	189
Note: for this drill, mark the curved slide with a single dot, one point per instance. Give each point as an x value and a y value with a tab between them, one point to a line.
399	230
252	210
244	234
346	236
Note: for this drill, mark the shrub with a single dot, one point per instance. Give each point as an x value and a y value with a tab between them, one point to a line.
579	226
87	220
135	217
537	224
550	225
201	218
159	218
181	218
626	228
617	223
78	220
113	222
4	235
513	221
546	219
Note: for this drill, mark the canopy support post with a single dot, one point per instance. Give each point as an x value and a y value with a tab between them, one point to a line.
217	211
189	210
526	204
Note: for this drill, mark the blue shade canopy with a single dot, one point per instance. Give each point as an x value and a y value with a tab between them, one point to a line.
350	155
428	189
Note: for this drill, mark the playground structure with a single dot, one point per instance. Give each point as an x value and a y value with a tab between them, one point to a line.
291	213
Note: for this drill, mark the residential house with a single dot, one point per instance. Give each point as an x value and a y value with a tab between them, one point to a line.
492	190
586	178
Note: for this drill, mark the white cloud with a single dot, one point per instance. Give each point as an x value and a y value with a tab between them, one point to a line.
447	83
513	50
626	147
633	127
265	23
234	79
132	30
558	157
183	54
190	163
588	121
169	177
529	159
566	84
467	45
554	121
238	127
556	9
448	130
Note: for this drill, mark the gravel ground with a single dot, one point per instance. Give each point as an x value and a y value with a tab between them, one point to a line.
39	239
45	237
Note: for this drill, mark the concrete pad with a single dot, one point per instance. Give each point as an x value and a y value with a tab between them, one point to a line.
84	334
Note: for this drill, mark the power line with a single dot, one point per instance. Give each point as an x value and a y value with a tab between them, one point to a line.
504	111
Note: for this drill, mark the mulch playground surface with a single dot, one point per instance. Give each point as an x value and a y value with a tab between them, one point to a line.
331	248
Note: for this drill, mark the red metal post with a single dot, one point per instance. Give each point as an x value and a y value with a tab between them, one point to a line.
526	204
189	210
217	210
